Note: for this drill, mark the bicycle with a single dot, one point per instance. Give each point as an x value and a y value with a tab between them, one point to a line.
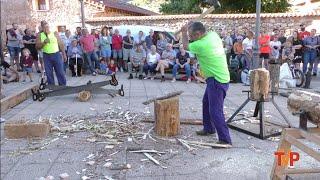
296	73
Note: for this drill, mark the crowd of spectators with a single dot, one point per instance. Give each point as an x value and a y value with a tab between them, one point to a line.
107	51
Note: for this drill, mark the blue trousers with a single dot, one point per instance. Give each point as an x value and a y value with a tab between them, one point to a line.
186	67
54	62
92	57
212	104
309	57
149	67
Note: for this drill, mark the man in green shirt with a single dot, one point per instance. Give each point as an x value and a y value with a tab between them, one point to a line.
208	48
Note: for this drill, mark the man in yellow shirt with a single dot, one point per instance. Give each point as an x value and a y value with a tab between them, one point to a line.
51	45
208	48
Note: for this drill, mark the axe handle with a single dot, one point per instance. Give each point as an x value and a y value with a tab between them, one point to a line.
208	11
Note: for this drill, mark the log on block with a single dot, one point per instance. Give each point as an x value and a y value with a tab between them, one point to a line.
259	84
26	130
167	121
274	70
84	96
307	102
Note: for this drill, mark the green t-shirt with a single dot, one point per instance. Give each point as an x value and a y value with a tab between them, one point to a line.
211	56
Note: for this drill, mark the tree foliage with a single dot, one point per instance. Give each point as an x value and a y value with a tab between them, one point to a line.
227	6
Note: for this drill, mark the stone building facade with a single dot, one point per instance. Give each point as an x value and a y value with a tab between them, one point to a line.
287	21
29	13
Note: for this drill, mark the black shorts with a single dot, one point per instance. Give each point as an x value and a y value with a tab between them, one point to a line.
264	55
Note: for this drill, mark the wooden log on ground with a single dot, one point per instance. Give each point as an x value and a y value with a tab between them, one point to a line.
16	98
274	70
18	130
84	96
259	84
167	117
303	101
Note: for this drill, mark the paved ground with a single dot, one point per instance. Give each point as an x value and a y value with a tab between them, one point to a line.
250	158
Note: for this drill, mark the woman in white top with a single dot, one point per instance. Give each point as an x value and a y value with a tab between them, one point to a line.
152	60
247	45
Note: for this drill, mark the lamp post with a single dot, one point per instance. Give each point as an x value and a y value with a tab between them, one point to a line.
256	57
82	14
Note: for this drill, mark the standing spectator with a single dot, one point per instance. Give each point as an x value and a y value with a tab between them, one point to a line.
26	61
140	40
105	41
14	40
247	45
75	58
78	34
275	46
137	60
66	42
182	61
150	40
95	33
303	33
297	46
282	38
87	42
29	41
167	60
275	32
176	43
152	59
50	43
161	43
227	44
311	44
40	52
264	42
117	49
127	48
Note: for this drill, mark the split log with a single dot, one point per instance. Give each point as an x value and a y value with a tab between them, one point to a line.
274	70
167	117
170	95
303	101
259	84
84	96
16	130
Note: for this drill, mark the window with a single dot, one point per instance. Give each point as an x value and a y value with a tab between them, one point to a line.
41	5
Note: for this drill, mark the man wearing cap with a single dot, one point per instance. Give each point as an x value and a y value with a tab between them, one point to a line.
208	48
303	33
51	45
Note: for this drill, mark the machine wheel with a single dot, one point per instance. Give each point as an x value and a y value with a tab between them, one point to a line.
299	76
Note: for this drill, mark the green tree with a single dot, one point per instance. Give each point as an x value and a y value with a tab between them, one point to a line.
227	6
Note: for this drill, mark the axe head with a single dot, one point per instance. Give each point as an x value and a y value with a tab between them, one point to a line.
214	3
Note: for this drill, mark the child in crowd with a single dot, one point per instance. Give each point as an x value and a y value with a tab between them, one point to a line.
288	51
26	62
75	54
107	69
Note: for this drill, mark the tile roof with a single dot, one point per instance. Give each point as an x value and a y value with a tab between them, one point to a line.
126	7
210	16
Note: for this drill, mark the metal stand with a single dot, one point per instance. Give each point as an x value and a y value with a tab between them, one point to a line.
258	112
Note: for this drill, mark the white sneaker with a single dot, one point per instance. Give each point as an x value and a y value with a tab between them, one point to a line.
173	80
188	81
152	78
146	77
94	74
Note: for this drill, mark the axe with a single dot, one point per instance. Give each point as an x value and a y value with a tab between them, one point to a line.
213	3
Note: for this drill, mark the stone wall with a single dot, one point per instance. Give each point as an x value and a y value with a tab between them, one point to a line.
215	22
